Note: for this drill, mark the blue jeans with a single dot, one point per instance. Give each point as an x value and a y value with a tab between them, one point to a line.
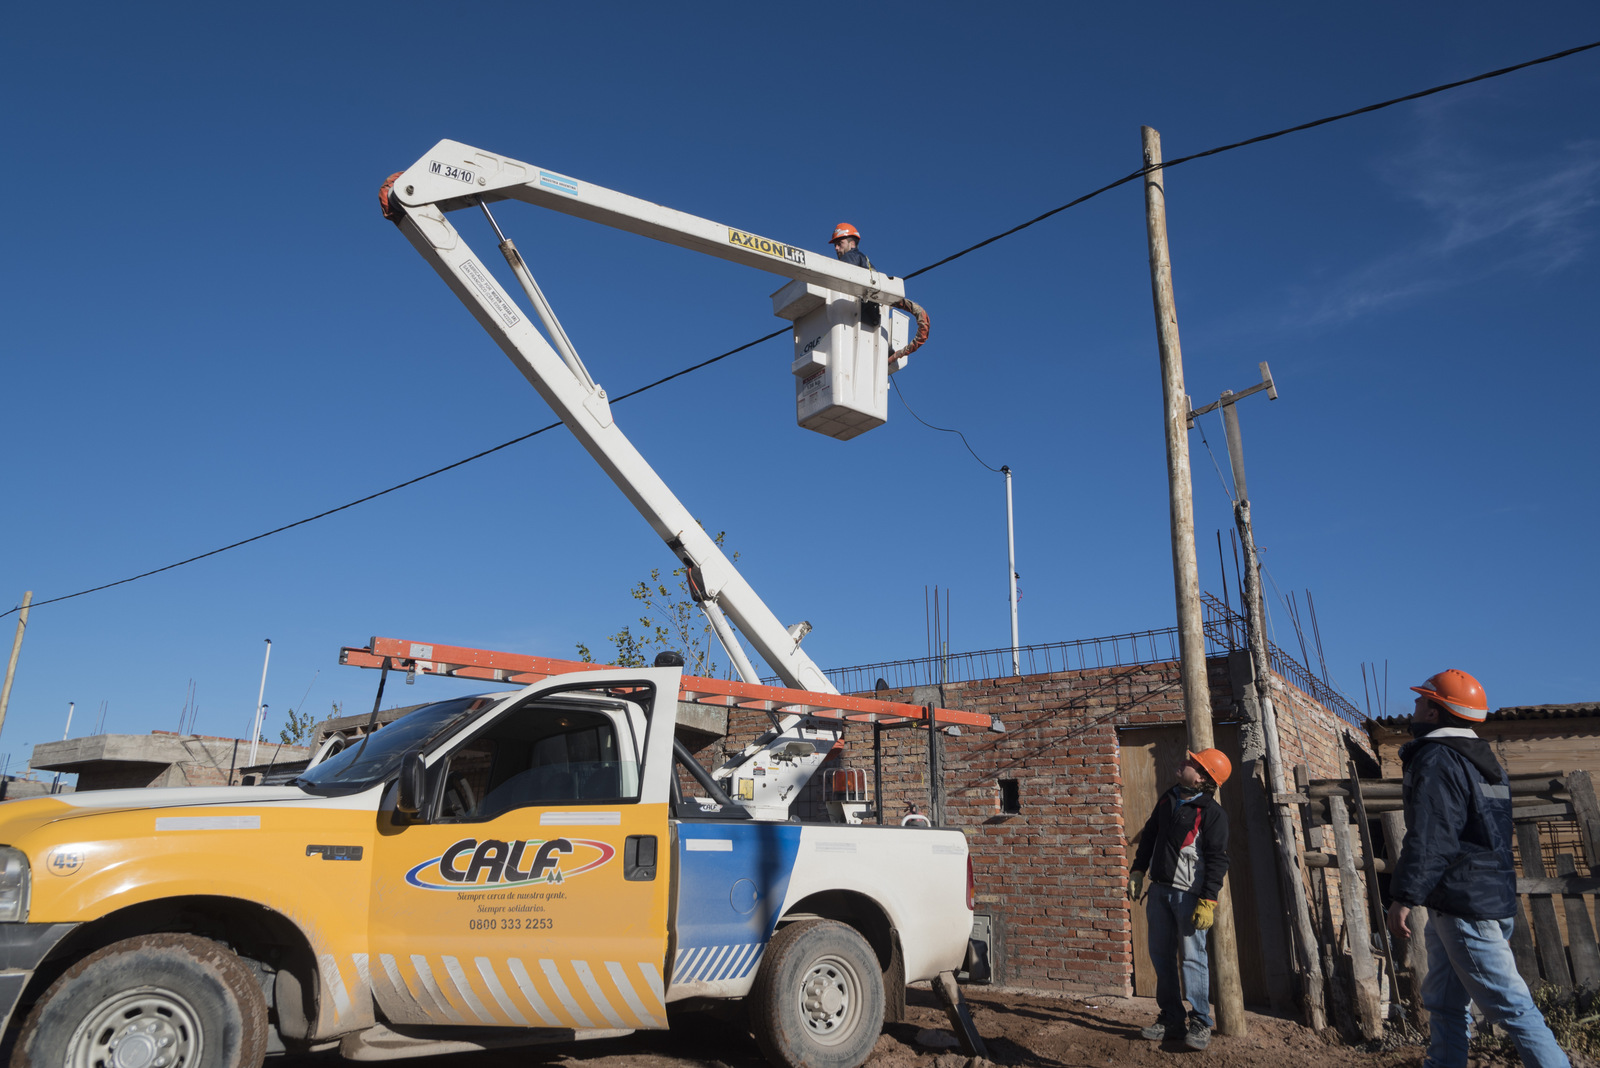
1470	960
1175	944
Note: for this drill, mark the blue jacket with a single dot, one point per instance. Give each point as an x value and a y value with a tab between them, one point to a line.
1457	852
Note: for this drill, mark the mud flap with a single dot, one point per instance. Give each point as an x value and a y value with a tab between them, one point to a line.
960	1019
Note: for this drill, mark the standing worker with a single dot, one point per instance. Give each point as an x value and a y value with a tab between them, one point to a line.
1184	848
1456	861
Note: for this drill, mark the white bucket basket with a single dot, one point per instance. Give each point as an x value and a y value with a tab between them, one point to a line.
841	365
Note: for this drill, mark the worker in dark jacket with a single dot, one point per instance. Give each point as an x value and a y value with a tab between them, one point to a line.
846	240
1183	850
1456	861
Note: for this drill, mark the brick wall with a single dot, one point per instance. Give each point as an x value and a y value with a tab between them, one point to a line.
1053	875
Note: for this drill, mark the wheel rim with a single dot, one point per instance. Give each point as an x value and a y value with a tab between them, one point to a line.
830	1000
146	1027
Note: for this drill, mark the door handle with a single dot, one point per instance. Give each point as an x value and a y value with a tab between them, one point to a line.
639	858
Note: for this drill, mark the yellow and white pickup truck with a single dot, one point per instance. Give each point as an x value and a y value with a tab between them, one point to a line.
486	871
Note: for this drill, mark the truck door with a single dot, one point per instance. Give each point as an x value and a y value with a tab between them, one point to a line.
531	890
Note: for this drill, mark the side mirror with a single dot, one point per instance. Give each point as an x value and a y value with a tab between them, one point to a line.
413	783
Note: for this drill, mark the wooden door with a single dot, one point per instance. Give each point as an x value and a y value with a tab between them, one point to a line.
1150	758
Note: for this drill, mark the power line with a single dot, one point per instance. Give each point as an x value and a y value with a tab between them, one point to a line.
1169	164
941	429
919	271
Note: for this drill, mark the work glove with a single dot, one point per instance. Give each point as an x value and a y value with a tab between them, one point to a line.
1205	914
1135	885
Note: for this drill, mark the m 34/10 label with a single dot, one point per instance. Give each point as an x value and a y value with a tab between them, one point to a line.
450	170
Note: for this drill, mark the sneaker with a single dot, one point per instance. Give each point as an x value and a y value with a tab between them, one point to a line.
1162	1030
1198	1036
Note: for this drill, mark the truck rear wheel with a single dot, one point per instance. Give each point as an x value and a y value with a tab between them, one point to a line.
818	999
155	1001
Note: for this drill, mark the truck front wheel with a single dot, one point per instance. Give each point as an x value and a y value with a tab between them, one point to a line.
818	998
155	1001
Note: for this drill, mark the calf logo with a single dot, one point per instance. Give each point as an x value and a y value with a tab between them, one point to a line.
493	864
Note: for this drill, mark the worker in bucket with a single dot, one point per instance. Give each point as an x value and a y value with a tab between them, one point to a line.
846	242
1183	856
1456	861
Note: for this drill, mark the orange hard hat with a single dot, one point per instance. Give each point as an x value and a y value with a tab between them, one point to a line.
1459	692
1215	762
844	230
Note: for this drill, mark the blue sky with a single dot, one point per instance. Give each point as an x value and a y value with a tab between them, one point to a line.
212	332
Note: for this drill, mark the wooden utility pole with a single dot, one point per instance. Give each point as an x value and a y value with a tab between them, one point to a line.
16	650
1185	566
1284	843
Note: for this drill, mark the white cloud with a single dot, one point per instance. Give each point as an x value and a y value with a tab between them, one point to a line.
1482	217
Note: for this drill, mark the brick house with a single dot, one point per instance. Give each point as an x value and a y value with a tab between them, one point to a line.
1050	803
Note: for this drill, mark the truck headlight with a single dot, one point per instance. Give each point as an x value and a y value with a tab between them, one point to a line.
15	878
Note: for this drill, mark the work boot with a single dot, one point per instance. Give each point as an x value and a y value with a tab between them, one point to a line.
1198	1036
1162	1030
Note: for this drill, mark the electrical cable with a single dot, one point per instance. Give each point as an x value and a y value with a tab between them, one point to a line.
1201	427
919	271
1125	179
941	429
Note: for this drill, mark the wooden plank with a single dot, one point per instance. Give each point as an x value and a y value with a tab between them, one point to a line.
1338	1000
1522	948
1413	951
1576	884
1358	932
1581	947
1369	875
1546	931
1581	787
1560	811
1392	789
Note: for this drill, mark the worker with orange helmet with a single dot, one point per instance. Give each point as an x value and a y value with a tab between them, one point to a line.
1184	850
1456	861
845	240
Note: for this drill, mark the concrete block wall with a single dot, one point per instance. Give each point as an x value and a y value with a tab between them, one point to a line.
1053	874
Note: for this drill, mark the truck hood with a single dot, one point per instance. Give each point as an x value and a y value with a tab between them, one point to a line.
24	815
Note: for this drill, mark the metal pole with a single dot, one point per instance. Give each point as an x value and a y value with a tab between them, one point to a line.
730	642
16	650
877	768
1230	427
55	785
255	727
1185	565
1011	571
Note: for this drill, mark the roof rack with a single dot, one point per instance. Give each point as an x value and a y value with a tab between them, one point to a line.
461	662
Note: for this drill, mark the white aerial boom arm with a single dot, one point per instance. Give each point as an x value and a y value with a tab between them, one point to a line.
454	176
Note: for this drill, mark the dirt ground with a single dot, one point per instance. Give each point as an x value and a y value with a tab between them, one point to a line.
1027	1031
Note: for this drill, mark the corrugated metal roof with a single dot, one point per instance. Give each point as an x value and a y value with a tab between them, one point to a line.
1516	712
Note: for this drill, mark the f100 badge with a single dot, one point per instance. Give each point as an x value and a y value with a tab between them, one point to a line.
778	249
495	865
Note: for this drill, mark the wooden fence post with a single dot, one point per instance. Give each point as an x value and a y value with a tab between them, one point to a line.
1358	932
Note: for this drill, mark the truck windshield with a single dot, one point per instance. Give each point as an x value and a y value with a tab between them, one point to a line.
361	766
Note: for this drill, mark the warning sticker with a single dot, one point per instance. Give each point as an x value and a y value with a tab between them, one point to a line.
491	293
558	182
788	253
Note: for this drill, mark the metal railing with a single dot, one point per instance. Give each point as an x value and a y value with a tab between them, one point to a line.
1224	629
1225	632
1117	650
